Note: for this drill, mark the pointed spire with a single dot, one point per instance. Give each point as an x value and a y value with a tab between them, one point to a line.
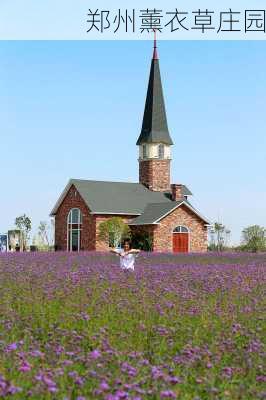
155	52
154	125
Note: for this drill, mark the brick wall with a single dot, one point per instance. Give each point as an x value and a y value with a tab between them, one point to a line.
177	192
155	174
163	239
90	223
162	234
74	200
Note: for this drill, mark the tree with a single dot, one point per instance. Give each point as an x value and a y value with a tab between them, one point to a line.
219	231
227	237
113	231
254	238
43	233
142	241
23	223
219	237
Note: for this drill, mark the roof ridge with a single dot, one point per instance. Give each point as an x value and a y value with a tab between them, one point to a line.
164	203
100	181
112	197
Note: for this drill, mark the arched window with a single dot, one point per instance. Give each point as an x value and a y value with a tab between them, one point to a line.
74	224
161	151
181	229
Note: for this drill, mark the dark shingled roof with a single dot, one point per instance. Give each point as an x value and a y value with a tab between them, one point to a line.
114	197
125	198
154	212
154	126
186	191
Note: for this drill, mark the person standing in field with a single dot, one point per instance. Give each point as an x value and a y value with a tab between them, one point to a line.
127	256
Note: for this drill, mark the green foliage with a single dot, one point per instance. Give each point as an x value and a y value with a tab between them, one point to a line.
24	224
254	238
44	241
220	236
113	231
142	241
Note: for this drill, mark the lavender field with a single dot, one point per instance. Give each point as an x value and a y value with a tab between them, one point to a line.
179	327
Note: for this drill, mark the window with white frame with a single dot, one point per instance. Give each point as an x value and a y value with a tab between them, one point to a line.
74	224
161	151
180	229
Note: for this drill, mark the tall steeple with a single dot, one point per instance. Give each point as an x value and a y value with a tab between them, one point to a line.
154	125
155	53
154	141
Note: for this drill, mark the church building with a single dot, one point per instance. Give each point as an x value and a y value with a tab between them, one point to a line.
153	206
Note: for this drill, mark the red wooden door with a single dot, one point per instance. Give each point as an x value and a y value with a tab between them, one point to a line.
180	242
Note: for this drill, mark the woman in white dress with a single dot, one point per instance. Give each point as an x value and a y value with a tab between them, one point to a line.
127	256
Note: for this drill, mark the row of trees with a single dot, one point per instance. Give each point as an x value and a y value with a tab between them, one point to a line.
44	239
253	238
114	230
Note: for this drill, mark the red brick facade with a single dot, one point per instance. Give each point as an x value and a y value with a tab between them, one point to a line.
177	191
155	174
89	238
74	200
163	232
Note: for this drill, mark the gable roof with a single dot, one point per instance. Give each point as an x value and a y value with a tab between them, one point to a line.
154	212
113	197
124	198
154	125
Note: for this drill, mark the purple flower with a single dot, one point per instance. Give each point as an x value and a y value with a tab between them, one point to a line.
168	394
104	386
95	354
121	394
261	378
111	397
25	366
142	333
37	353
11	347
13	390
52	389
174	380
228	372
